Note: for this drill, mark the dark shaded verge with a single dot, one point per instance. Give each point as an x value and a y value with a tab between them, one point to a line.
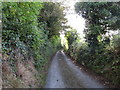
93	74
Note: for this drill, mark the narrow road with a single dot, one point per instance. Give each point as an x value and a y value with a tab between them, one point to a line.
64	74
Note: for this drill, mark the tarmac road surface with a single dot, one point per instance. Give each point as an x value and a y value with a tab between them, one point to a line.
64	74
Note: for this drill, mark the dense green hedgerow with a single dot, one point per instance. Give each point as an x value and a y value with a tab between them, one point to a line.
22	31
100	52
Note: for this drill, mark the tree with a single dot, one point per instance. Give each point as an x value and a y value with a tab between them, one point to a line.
100	17
71	36
52	15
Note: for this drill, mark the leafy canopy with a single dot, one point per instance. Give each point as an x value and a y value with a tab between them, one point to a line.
52	15
101	17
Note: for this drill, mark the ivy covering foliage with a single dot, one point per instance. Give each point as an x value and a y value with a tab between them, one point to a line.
22	30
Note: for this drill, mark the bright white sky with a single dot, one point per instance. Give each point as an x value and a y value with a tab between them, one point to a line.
74	20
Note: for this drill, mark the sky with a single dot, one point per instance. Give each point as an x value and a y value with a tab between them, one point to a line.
74	20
